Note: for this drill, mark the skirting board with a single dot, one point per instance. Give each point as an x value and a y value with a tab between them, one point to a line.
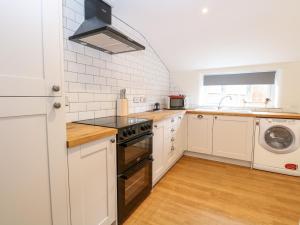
218	159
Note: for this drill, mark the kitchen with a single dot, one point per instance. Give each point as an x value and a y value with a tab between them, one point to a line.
107	118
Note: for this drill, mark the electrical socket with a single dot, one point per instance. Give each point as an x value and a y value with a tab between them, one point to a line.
143	99
136	99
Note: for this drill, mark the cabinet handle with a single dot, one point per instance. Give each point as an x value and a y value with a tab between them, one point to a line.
200	116
155	126
57	105
216	117
172	148
172	130
172	139
180	117
112	140
55	88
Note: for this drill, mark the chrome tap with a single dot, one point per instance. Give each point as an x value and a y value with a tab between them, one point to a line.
222	99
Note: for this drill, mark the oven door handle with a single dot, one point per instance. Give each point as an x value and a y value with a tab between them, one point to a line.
124	177
126	144
128	174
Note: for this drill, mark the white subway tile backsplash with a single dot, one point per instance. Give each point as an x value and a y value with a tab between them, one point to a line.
99	80
85	78
75	67
91	52
85	97
77	107
83	59
99	63
70	56
92	70
70	76
93	106
76	87
86	115
93	79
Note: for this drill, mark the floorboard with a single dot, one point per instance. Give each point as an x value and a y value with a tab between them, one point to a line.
202	192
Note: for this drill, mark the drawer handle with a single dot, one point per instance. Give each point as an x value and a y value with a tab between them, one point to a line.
113	140
172	139
172	120
216	117
200	116
172	130
180	117
172	148
155	126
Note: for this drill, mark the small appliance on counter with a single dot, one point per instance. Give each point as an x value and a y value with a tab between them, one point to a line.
156	107
122	104
176	102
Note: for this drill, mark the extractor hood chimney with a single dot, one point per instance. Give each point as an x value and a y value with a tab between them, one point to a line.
96	31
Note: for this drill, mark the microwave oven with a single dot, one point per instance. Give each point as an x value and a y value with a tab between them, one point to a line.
176	102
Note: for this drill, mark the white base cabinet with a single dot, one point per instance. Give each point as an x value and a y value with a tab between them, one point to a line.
200	133
233	137
33	162
222	136
169	143
92	183
158	151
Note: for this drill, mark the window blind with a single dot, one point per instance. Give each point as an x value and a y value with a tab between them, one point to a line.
240	78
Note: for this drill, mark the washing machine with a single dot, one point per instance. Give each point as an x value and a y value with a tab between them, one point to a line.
277	146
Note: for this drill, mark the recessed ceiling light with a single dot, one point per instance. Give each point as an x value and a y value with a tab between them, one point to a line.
204	10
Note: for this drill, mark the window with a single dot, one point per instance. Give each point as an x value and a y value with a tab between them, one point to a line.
246	90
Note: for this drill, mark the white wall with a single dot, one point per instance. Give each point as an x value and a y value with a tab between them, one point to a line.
93	79
288	82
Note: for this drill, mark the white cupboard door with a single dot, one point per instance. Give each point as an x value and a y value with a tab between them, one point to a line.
200	133
181	134
158	151
31	47
92	180
233	137
33	162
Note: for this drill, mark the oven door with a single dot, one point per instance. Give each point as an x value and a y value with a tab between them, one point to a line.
133	187
132	152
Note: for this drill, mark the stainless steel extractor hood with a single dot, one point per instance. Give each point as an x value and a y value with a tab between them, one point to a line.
96	31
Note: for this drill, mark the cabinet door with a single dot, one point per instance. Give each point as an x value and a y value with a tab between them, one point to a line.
158	151
92	180
200	133
33	162
31	47
233	137
181	134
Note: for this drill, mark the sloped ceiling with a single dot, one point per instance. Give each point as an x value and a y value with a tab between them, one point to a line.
231	33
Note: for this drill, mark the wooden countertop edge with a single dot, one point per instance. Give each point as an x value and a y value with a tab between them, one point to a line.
253	114
81	136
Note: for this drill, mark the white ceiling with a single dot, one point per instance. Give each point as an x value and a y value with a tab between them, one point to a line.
232	33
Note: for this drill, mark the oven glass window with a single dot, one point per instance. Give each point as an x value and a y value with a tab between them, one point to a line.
135	184
138	151
177	103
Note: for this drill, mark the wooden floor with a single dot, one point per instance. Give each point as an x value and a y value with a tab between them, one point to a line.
196	192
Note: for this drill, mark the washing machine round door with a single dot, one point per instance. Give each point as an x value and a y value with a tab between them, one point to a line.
280	139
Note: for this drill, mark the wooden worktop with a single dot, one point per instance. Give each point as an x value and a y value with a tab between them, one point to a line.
277	115
157	115
78	134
